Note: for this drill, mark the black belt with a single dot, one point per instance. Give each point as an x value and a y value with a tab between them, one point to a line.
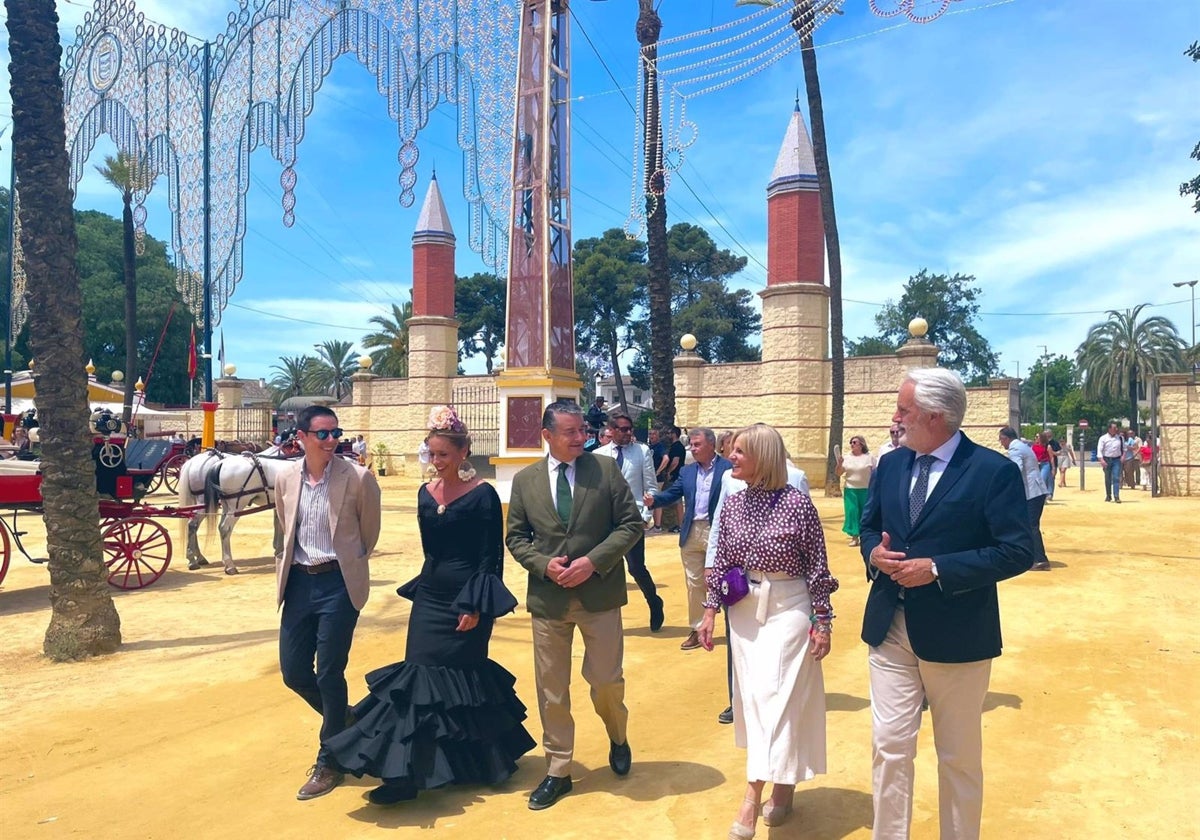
317	568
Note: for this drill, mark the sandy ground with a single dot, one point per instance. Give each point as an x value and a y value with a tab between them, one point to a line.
1090	727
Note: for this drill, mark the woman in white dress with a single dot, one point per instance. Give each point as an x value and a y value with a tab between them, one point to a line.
779	632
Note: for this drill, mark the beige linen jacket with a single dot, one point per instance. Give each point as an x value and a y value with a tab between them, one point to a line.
354	520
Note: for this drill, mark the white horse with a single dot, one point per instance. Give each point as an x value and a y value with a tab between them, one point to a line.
233	483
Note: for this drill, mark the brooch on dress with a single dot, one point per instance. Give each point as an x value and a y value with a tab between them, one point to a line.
441	509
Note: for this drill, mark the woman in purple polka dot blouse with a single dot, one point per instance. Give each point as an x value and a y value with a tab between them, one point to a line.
779	632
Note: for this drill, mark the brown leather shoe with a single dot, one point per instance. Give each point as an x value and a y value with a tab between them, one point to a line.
691	642
320	781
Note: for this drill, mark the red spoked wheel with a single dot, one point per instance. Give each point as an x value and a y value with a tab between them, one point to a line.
170	472
6	549
137	551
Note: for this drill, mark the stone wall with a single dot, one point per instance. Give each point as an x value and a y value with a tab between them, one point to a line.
1179	433
735	395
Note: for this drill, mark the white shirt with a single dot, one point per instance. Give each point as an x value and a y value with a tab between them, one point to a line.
1109	446
942	456
553	465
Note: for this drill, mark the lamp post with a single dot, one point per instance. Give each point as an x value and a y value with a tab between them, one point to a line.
1192	285
1045	355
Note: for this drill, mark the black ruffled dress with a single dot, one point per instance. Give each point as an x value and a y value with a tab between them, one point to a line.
447	714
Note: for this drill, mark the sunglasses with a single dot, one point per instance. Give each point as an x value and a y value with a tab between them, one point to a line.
325	434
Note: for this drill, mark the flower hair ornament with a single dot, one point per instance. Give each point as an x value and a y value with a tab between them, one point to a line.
443	418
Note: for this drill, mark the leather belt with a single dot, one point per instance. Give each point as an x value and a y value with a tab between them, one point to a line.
317	568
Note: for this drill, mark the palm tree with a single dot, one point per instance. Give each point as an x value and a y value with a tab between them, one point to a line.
83	619
294	373
1122	353
129	176
389	344
331	370
802	17
662	371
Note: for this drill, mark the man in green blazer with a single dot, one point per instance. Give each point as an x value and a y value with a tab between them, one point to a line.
571	520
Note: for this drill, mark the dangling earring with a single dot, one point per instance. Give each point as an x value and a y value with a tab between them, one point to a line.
466	471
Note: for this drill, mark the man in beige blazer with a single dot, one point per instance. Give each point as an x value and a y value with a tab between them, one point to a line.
571	520
329	513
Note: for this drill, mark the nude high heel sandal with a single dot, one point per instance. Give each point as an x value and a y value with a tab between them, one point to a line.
776	814
745	832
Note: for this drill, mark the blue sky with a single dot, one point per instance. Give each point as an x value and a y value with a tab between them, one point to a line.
1035	144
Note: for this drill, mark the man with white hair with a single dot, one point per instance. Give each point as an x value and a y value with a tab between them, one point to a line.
945	521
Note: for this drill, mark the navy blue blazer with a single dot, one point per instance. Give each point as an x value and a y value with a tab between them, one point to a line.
684	488
975	525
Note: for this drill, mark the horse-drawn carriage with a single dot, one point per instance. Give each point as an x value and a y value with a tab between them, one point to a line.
137	549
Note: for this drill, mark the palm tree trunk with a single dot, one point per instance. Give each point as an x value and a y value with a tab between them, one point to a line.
131	343
816	115
662	371
83	620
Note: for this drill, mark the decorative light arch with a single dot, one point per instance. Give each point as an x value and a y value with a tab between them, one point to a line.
195	110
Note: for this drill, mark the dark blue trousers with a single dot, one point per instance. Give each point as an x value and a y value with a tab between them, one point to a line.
314	645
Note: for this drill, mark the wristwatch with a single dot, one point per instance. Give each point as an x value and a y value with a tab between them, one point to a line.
933	569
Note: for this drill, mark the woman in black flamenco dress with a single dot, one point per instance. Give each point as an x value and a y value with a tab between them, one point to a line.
447	714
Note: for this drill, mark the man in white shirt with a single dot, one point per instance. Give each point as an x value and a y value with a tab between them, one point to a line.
637	465
1109	449
893	441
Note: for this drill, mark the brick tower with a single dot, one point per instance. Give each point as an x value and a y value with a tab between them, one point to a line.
795	326
432	329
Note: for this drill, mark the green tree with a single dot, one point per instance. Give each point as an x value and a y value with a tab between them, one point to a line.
723	320
1192	187
331	370
869	345
388	346
83	619
610	284
948	304
1120	355
130	178
479	302
1060	377
662	347
1098	412
159	307
292	376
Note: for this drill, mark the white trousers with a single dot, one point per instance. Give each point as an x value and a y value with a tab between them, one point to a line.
900	680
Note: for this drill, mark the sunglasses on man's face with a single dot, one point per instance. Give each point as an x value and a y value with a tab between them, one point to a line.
325	434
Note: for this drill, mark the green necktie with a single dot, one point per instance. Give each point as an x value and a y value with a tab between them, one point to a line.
563	502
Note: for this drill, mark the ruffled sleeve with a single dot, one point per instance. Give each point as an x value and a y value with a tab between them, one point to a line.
485	594
409	590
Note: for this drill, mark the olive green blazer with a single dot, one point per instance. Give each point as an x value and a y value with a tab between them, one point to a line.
604	525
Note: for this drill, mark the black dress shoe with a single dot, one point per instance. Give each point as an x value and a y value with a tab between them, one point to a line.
656	615
619	758
549	791
726	716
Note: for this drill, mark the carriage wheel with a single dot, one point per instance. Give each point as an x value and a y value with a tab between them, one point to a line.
137	551
111	455
170	472
5	552
155	481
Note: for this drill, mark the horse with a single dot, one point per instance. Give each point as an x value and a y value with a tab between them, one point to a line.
231	483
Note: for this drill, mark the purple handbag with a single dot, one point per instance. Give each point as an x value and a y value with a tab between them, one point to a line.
733	586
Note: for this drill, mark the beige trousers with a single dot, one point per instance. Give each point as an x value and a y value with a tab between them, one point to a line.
899	682
692	553
603	652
